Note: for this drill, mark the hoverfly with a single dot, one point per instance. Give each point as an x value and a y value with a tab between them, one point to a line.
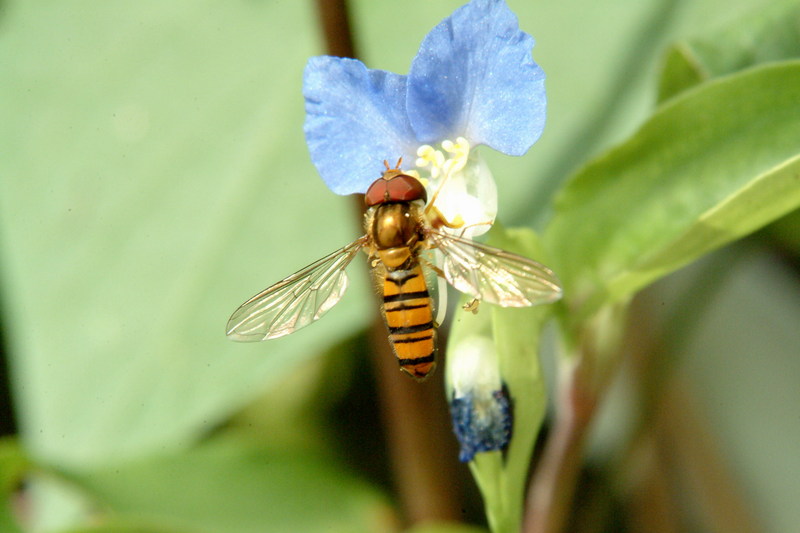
399	227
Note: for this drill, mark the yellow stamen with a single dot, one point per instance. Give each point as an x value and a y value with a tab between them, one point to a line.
443	167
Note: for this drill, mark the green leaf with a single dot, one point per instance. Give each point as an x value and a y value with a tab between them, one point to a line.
681	71
229	486
769	33
155	176
709	167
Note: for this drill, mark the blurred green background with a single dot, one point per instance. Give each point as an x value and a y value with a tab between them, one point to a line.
153	175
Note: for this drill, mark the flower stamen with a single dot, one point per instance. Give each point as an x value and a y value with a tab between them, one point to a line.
443	167
461	190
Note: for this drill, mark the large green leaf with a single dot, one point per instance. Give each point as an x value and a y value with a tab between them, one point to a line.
711	166
770	32
154	176
230	487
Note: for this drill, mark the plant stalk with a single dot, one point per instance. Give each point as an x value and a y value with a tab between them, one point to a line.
421	446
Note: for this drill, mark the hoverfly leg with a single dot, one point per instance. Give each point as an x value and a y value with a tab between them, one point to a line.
472	306
429	264
464	229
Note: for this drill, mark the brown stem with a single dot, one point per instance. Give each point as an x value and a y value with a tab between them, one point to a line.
421	445
335	24
647	474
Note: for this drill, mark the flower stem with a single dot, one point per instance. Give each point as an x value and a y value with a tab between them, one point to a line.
335	24
422	449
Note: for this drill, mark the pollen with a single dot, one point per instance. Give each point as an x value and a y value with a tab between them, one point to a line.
459	151
460	187
428	156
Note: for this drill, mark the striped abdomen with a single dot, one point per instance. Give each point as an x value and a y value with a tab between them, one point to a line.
408	310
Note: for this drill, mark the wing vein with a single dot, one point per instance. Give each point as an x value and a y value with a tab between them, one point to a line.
495	275
296	301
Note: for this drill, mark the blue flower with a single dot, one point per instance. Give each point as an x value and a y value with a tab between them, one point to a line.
473	82
480	405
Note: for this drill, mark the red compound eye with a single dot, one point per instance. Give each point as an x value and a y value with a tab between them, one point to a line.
400	188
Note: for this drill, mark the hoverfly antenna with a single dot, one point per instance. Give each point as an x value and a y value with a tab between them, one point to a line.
391	172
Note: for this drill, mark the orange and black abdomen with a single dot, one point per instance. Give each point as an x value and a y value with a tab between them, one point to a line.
408	310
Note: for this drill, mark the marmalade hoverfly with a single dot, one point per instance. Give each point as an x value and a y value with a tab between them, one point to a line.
399	226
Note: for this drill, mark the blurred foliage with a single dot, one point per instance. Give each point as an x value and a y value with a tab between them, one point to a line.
155	175
211	488
769	34
681	186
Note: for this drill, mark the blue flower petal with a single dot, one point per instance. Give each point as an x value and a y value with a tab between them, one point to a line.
474	76
355	118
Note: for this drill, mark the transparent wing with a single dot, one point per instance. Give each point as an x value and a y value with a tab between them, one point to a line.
295	302
494	275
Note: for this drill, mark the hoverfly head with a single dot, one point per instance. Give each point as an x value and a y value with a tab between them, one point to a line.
395	186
